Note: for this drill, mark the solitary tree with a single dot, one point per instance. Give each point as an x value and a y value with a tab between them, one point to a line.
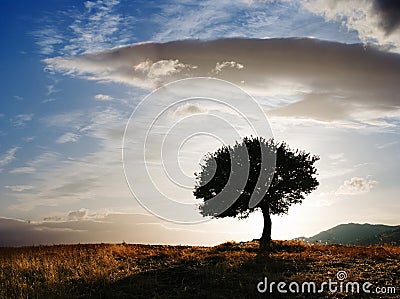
269	187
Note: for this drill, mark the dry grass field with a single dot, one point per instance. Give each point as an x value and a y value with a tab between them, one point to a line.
230	270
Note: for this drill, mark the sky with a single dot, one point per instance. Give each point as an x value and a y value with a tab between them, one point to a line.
103	122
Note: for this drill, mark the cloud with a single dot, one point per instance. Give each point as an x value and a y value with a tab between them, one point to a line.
112	228
103	97
47	39
100	123
337	158
18	98
189	109
328	80
386	145
8	157
226	65
72	120
94	26
78	215
51	89
376	21
48	100
64	180
19	188
244	18
20	120
68	137
157	71
27	169
28	138
183	19
46	158
319	106
355	186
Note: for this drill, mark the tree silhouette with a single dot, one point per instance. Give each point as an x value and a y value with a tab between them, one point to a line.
235	181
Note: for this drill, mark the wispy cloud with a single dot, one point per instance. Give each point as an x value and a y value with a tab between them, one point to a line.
51	89
243	18
8	157
99	124
48	100
184	20
386	145
68	137
45	159
103	97
73	120
18	98
355	186
20	120
26	169
28	138
48	39
61	180
97	25
19	188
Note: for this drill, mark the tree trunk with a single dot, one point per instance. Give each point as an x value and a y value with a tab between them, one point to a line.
265	240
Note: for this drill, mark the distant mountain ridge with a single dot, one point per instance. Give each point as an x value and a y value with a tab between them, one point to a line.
358	234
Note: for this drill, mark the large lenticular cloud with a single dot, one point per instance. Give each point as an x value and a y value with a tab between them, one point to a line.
345	78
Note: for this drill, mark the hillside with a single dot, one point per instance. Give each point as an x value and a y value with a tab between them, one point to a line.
358	234
230	270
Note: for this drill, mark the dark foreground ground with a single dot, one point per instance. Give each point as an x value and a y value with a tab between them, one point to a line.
230	270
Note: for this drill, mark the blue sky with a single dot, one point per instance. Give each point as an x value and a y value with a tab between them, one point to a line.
68	92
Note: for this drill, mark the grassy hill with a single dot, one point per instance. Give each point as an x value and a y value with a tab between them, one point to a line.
358	234
230	270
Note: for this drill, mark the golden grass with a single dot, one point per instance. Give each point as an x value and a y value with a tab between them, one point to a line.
229	270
